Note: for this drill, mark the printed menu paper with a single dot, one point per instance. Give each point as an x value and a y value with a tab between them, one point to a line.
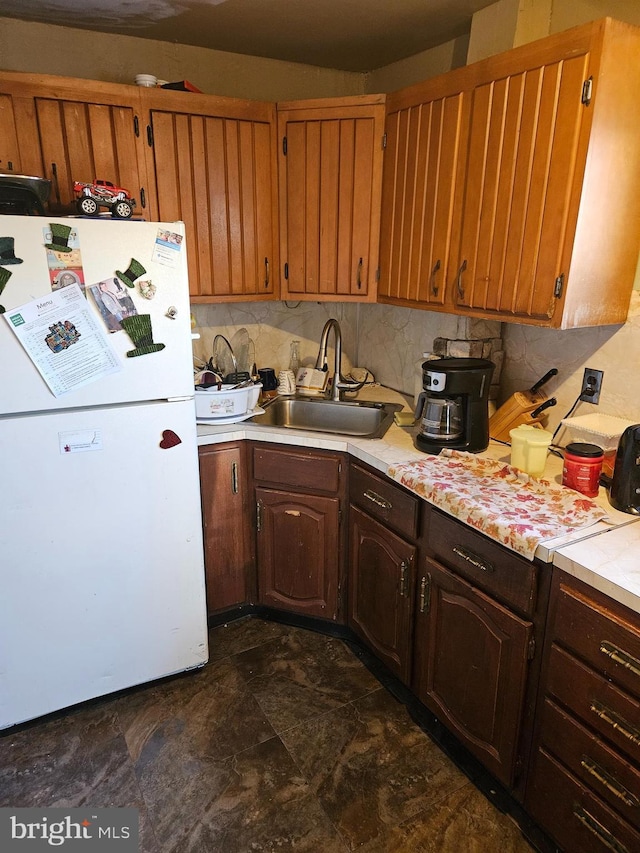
64	339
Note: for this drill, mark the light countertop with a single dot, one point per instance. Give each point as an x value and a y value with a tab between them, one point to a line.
597	552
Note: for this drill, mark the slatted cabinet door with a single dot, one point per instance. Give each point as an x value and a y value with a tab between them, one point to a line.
330	188
81	141
213	163
70	130
426	131
523	163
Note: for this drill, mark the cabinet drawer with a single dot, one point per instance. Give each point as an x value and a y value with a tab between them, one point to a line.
385	501
600	636
302	469
489	566
590	760
602	705
579	821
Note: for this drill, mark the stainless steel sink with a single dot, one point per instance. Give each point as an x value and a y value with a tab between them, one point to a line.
359	418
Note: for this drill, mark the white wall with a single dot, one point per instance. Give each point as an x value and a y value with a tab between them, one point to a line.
70	52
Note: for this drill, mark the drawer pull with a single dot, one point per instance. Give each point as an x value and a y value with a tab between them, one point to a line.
377	499
475	561
616	722
596	828
610	782
234	478
620	656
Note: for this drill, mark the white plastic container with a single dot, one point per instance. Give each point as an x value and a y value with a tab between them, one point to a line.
603	430
529	447
228	402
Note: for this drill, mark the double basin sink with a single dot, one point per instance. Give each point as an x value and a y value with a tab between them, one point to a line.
358	418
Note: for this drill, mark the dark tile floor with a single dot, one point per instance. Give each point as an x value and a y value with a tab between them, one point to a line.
283	742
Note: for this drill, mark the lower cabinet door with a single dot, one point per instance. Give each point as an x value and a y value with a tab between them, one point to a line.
474	667
298	552
380	589
227	534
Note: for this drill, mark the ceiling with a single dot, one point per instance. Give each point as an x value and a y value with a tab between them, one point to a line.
351	35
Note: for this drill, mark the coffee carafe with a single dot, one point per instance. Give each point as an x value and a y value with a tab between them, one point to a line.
453	409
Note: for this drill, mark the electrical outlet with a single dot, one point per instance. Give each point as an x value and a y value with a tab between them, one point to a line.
591	386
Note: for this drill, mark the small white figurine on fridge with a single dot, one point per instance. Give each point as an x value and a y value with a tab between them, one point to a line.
101	554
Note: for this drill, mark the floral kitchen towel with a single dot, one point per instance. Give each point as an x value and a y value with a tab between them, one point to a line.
504	503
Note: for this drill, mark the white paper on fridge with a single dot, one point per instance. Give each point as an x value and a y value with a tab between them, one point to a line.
64	339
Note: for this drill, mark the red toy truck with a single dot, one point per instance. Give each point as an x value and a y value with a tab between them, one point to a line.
97	194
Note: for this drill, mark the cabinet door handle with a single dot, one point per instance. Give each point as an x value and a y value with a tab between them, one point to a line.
234	478
620	656
609	782
596	828
266	272
56	184
616	722
463	267
425	593
470	557
258	516
143	197
403	578
434	286
359	275
377	499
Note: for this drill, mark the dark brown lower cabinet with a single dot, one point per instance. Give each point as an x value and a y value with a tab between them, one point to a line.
584	783
299	497
228	550
380	591
474	666
298	552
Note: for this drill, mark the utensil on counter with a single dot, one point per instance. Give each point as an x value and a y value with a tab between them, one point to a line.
518	409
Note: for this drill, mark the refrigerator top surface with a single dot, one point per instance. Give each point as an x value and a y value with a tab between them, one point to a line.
119	334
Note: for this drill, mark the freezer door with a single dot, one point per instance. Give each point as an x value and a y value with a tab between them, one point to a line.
106	248
102	569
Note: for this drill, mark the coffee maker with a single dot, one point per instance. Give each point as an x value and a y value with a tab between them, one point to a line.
453	409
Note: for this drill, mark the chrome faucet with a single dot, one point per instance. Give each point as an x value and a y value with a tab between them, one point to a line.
339	382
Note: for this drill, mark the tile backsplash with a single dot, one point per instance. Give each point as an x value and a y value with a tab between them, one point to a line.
390	341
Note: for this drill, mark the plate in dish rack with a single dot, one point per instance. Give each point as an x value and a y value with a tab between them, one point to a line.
229	419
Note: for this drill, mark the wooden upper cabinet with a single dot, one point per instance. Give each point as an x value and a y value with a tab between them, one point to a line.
70	130
551	215
330	174
512	186
426	133
214	167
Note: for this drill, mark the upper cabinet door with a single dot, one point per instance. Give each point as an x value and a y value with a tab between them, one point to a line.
213	164
71	130
519	205
551	215
426	143
330	187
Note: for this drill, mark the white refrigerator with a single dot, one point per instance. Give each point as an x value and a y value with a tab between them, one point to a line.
101	552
